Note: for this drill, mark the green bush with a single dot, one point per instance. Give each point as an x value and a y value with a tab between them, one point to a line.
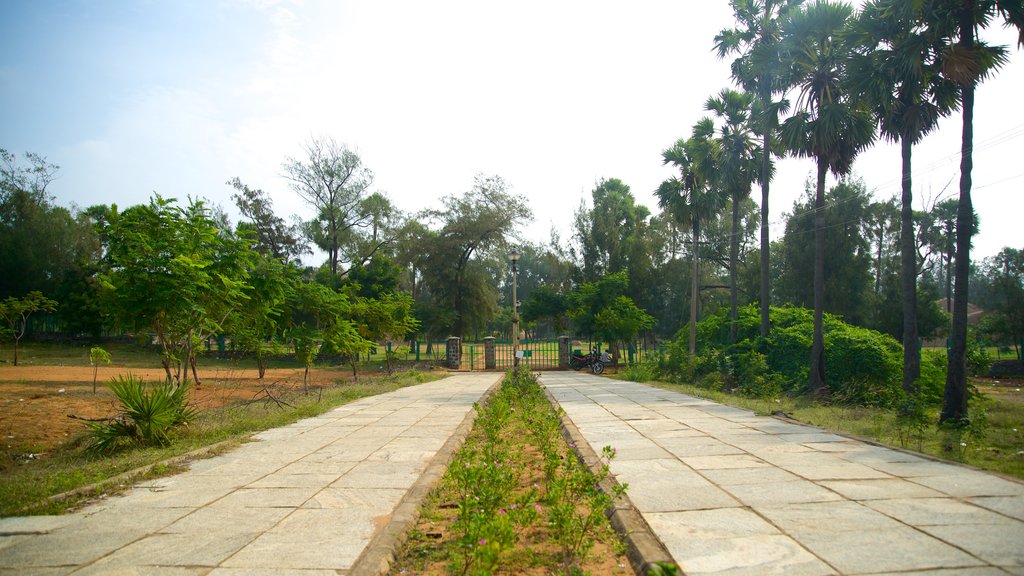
148	414
640	372
862	366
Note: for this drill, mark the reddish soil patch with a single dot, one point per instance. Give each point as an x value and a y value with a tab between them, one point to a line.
35	401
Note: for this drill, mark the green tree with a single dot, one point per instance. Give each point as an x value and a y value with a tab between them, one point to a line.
1005	296
256	326
760	68
966	61
829	125
271	235
387	318
39	241
15	313
847	275
691	197
739	165
320	316
334	181
602	310
896	67
471	227
173	272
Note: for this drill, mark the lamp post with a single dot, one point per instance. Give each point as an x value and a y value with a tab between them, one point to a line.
513	257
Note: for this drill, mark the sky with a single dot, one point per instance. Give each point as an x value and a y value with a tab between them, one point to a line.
132	97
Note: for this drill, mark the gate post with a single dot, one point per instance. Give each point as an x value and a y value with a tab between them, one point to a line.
453	352
563	352
490	360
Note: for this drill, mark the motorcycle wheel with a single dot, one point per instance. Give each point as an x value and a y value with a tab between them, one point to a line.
597	367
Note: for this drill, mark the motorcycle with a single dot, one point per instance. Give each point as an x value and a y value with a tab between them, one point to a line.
596	362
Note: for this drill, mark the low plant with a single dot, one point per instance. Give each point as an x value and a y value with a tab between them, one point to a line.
640	372
97	356
149	413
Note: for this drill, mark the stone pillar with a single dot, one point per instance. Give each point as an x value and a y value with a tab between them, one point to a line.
453	353
490	360
564	345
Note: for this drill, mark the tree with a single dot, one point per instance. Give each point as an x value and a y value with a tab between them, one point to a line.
760	68
1005	275
173	271
256	325
387	318
334	181
966	62
829	126
472	224
39	242
896	67
691	197
847	271
738	167
320	316
271	235
602	310
15	313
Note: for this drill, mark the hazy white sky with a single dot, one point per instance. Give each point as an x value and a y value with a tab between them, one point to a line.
178	96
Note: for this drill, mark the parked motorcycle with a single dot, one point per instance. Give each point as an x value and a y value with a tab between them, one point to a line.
596	362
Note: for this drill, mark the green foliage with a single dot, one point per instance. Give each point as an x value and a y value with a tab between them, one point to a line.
978	360
97	356
15	313
148	415
641	372
864	366
600	309
175	273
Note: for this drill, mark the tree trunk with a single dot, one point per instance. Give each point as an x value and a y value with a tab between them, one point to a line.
954	401
818	345
694	288
765	244
192	363
908	276
734	250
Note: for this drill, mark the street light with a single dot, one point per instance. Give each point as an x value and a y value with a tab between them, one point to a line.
513	257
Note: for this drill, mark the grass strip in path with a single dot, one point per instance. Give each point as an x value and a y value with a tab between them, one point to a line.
516	499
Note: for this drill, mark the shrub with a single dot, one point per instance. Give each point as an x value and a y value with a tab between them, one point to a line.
863	366
148	414
640	372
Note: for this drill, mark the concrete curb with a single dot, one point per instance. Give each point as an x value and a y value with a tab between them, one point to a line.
380	553
646	551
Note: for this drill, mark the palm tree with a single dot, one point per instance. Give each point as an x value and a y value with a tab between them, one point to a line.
967	62
896	68
829	126
759	69
738	167
691	198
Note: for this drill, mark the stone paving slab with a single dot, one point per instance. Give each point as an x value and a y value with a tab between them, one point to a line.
306	499
745	494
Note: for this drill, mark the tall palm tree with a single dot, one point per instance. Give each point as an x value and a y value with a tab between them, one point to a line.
691	197
967	62
829	126
895	67
738	166
759	68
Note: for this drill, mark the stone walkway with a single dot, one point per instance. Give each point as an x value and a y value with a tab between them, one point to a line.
729	492
305	499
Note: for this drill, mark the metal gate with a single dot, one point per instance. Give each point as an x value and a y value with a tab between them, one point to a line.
537	354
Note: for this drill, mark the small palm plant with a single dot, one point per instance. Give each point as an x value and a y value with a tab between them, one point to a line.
148	414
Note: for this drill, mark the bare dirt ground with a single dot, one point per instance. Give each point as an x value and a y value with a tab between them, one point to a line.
35	401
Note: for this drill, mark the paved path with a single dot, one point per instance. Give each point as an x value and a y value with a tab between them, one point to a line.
729	492
304	500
